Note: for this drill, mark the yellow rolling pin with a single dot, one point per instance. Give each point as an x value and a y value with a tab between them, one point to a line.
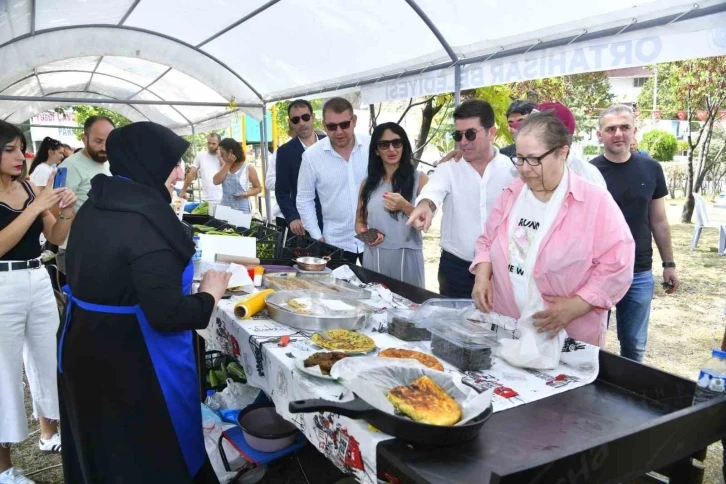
252	304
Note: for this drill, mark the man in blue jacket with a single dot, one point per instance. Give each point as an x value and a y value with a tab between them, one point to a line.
289	158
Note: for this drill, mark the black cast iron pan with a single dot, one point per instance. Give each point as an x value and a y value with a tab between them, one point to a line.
399	427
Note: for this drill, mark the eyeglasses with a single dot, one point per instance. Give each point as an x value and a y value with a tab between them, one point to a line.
332	127
296	119
469	133
532	160
383	145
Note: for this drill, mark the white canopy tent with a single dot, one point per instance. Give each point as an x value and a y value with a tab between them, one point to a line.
191	64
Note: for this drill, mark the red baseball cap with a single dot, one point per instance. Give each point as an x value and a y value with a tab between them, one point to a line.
561	112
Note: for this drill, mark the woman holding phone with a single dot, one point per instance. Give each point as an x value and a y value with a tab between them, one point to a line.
28	312
239	180
384	204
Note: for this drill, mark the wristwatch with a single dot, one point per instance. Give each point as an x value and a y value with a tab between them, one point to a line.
669	264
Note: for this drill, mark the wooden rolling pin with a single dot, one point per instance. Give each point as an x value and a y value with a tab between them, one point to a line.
236	259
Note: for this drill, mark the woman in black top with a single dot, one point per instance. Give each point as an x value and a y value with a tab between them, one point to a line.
28	311
130	402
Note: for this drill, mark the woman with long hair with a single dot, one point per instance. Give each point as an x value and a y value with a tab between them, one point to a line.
28	311
385	202
239	180
50	153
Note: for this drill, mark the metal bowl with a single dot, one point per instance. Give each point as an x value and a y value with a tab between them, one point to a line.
277	312
312	263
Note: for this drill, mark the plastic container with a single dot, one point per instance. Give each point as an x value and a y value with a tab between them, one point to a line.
264	429
212	401
197	258
404	328
712	378
464	344
412	325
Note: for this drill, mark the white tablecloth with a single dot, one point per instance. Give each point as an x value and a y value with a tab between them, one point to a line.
351	444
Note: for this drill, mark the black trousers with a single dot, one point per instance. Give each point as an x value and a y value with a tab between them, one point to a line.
455	280
353	257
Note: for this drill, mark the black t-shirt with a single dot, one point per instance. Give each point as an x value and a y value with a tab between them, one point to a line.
509	150
633	185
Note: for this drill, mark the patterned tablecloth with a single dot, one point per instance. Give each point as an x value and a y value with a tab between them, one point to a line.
351	444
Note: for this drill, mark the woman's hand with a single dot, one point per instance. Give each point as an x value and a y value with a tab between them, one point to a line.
560	314
377	240
483	292
394	202
240	196
67	202
215	283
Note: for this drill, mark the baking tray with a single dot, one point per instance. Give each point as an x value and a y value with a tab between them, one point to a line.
345	288
315	323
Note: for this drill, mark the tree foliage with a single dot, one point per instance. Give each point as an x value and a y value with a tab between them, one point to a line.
661	145
85	111
282	124
582	93
696	87
200	140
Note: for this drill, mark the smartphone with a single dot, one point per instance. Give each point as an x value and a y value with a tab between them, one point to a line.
61	176
368	236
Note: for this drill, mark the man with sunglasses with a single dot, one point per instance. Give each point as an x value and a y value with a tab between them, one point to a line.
289	158
334	168
468	192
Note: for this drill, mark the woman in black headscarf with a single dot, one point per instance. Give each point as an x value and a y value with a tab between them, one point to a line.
130	403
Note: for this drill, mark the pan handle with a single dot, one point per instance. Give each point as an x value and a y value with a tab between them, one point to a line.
356	409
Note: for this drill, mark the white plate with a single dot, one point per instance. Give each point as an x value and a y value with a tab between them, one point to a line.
312	371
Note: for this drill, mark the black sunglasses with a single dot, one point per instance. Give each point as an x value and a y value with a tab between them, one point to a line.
383	145
296	119
532	160
332	127
469	133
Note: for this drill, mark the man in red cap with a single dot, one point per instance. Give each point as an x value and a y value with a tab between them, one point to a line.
563	113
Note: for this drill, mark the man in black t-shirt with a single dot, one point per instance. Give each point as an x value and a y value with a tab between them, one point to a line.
638	186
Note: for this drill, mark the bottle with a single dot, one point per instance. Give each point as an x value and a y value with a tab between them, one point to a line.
197	259
711	380
212	401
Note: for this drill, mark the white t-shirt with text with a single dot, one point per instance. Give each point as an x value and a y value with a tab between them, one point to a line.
531	215
208	165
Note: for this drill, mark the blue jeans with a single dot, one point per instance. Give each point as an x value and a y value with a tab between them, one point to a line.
632	314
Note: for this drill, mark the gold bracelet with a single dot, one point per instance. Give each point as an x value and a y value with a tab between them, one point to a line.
60	215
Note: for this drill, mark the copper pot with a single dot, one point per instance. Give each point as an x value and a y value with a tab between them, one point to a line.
312	263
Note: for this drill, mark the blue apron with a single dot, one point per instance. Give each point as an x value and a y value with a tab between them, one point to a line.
172	355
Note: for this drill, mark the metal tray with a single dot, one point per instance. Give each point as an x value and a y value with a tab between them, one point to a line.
315	323
347	289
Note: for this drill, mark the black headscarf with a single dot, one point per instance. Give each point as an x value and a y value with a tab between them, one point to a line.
146	153
142	155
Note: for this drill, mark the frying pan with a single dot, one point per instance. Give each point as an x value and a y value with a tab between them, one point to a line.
399	427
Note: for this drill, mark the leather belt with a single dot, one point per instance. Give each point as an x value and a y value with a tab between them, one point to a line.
20	265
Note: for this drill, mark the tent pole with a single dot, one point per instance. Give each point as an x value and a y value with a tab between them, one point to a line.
194	148
263	131
457	85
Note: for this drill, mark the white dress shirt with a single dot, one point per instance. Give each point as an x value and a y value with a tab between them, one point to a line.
337	183
270	178
587	171
467	198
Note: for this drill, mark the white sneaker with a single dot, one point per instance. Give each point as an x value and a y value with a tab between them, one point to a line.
52	445
14	476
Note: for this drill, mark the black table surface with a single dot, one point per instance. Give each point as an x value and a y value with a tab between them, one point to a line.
631	420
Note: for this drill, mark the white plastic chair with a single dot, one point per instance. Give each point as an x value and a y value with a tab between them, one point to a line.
702	221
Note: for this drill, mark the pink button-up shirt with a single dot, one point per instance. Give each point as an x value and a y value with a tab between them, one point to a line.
588	252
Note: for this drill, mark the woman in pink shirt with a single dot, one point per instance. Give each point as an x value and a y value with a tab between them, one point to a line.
555	238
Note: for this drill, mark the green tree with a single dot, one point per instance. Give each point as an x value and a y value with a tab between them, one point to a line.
582	93
85	111
661	145
697	87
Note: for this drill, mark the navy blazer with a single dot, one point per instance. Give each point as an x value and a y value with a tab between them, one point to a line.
288	161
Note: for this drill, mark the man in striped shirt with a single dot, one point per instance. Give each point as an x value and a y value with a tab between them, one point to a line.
334	167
